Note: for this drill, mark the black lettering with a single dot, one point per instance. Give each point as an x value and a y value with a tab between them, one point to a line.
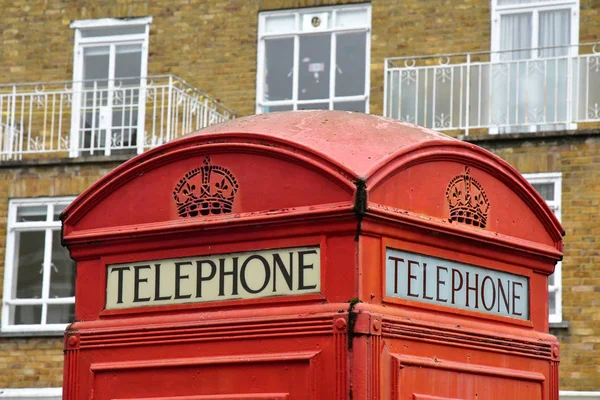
515	297
411	277
243	274
455	288
201	278
488	279
136	283
157	295
440	282
474	289
178	278
302	267
505	298
288	276
120	271
223	273
425	282
396	261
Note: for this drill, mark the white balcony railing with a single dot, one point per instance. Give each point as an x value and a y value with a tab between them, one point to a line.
100	117
512	91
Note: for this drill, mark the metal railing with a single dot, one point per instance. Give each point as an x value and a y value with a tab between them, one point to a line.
101	117
522	90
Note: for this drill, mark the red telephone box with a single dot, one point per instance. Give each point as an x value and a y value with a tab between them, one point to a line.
312	255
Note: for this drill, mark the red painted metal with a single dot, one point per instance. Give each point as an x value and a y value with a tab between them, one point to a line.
354	185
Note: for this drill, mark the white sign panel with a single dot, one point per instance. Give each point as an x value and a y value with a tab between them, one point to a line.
434	280
248	275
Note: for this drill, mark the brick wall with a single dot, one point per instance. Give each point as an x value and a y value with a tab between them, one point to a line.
37	362
578	158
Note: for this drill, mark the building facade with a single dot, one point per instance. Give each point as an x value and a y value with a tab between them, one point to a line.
86	85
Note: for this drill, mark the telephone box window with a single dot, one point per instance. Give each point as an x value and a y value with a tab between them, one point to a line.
39	290
314	59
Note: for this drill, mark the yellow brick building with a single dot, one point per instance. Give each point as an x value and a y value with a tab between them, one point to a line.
85	85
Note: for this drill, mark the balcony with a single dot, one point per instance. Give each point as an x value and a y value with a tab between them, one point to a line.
75	119
525	90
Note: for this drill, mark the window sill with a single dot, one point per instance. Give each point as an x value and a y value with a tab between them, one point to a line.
559	325
26	334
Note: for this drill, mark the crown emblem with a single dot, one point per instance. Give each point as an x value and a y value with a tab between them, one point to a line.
468	201
209	189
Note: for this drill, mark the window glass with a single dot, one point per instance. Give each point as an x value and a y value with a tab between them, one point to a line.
298	49
29	263
350	64
279	69
113	31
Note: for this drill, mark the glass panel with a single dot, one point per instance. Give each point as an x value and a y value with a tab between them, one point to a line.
60	313
29	264
95	66
31	213
62	270
280	24
58	208
314	67
552	303
515	34
350	64
316	106
551	280
554	30
279	69
277	108
113	31
128	63
546	190
358	106
28	315
351	18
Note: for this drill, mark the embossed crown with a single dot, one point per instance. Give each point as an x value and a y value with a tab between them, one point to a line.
468	201
209	189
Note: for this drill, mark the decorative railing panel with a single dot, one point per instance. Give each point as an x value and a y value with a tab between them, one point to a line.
100	117
512	91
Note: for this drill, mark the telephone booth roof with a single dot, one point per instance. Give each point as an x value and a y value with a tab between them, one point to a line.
310	162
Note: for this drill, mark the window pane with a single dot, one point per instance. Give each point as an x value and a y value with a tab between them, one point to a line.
128	63
95	66
277	108
28	315
350	64
515	33
358	106
281	24
316	106
31	213
314	67
113	31
62	271
30	259
279	69
552	303
546	190
554	30
58	208
60	313
551	280
351	18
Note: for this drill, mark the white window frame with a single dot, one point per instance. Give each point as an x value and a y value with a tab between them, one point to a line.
296	33
112	41
9	266
535	8
556	179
